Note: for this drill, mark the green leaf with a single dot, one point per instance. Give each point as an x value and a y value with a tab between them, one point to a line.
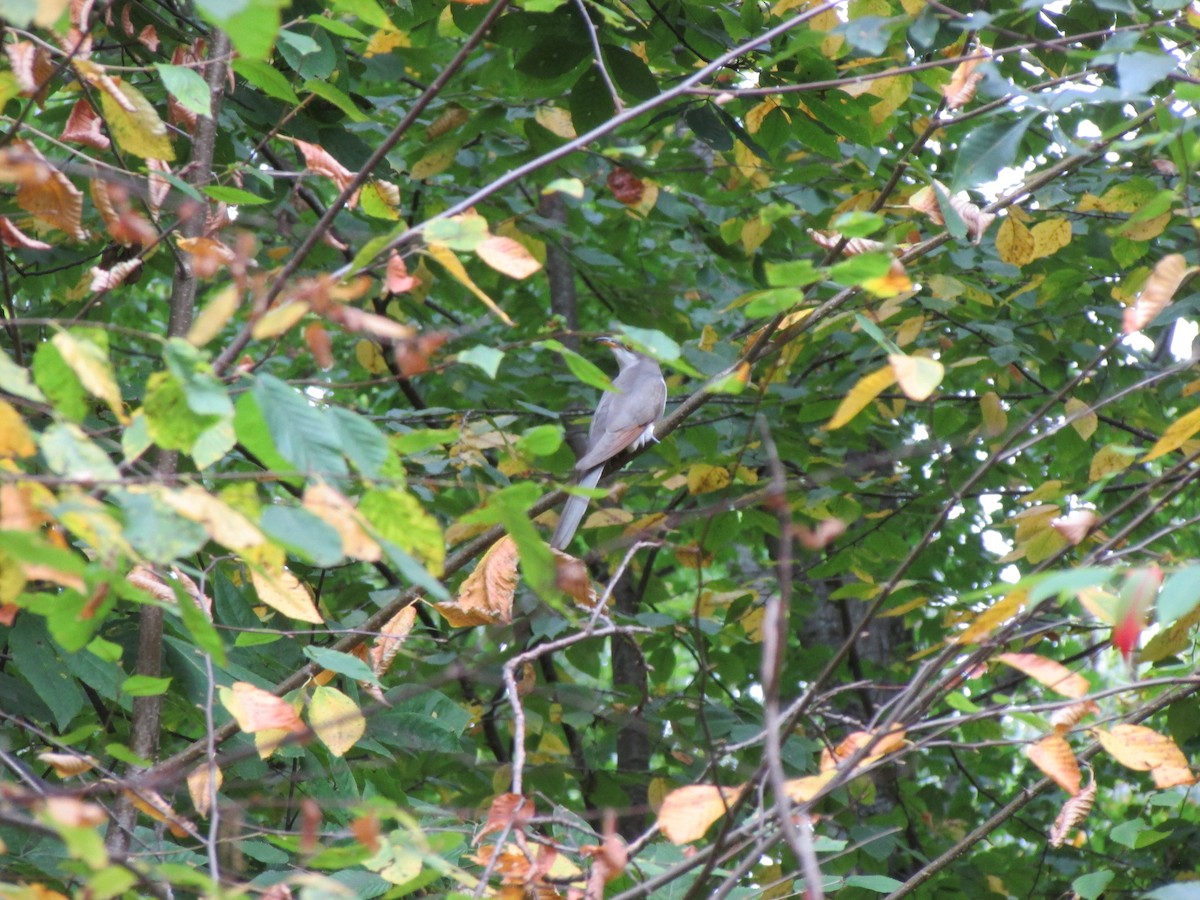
1092	885
857	269
400	519
68	451
234	196
338	98
186	85
1138	72
541	440
251	24
145	686
988	148
300	431
342	663
266	78
796	273
1180	595
880	884
369	11
584	370
58	383
487	359
303	534
457	233
15	379
40	664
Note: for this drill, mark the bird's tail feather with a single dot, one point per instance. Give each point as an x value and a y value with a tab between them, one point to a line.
573	509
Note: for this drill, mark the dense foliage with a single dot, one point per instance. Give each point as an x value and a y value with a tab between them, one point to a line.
295	306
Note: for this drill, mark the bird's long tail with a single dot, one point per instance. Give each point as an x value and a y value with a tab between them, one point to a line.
574	508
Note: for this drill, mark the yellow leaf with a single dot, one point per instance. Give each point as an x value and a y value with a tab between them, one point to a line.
283	592
864	391
435	162
1108	460
255	709
918	376
278	319
218	311
995	419
1053	755
909	330
67	764
445	256
336	720
15	438
801	790
222	522
1014	242
984	623
754	232
199	785
703	478
1176	434
1053	675
1050	236
1084	421
90	363
687	812
1145	750
135	125
507	257
1146	229
370	357
555	120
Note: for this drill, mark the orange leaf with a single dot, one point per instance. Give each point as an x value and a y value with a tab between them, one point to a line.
507	811
507	256
486	596
687	812
1157	293
257	710
84	126
961	89
1072	813
1053	755
336	510
1053	675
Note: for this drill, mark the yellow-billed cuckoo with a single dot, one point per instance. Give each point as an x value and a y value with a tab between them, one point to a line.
623	419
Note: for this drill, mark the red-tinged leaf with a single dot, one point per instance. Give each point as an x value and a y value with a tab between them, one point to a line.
320	345
1138	592
626	186
31	64
397	280
148	38
85	127
1076	526
507	811
963	82
12	236
318	160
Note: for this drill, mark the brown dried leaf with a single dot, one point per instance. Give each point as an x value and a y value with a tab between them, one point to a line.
152	804
148	38
107	279
486	595
1068	717
159	187
826	532
31	64
1053	675
397	280
687	812
320	344
319	161
43	191
354	319
1156	295
1072	813
571	577
507	810
85	127
961	88
1053	755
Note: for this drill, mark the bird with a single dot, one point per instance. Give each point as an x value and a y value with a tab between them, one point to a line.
624	419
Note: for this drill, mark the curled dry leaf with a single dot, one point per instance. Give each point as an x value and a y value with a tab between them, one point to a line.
507	811
67	764
1072	813
158	186
107	279
609	857
1053	675
84	127
855	246
1053	755
926	201
626	186
1156	295
1068	717
43	191
687	812
318	160
391	638
12	236
199	784
208	256
125	225
152	804
486	595
30	63
571	577
1076	526
961	88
